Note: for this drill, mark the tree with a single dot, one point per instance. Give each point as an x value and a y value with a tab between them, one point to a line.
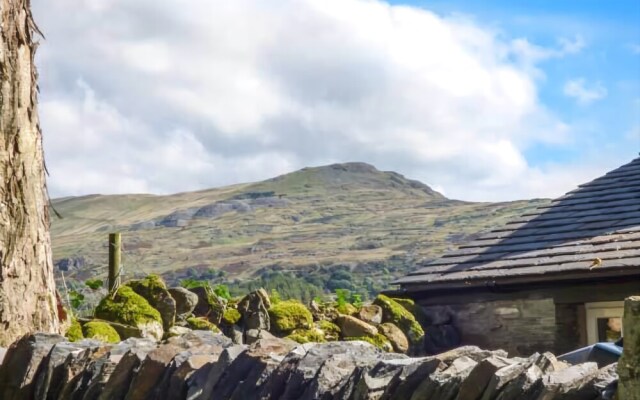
27	288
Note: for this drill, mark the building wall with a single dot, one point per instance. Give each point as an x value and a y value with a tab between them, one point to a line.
520	327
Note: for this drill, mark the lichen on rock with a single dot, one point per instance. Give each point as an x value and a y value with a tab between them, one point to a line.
377	340
154	290
314	335
101	331
74	333
202	324
395	313
331	331
289	315
129	308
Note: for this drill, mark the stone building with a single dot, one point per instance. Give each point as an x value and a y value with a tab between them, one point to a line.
551	280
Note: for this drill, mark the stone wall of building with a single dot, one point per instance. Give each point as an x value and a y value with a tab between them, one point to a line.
520	326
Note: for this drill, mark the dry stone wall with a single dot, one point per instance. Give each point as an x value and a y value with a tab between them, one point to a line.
205	365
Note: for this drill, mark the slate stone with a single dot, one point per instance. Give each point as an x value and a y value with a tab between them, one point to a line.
22	362
475	384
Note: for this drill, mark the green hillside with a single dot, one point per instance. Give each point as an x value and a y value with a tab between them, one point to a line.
340	226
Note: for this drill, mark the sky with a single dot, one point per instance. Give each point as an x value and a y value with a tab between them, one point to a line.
483	101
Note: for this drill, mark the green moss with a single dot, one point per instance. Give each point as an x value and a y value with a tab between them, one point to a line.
289	315
231	316
201	324
347	309
393	312
74	333
414	309
127	307
101	331
307	336
331	330
378	340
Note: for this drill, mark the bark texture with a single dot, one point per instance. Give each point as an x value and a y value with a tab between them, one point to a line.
27	288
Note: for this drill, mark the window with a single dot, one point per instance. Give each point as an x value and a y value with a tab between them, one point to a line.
604	321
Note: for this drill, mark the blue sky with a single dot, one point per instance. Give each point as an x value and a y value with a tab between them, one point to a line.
610	59
491	100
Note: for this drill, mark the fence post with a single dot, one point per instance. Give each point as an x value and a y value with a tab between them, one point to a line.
115	255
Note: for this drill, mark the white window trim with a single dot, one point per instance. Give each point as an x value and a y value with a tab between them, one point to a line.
601	310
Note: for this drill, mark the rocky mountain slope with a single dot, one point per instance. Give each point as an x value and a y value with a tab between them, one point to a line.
344	225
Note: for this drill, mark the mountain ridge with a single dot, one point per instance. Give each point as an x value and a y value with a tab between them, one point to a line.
374	225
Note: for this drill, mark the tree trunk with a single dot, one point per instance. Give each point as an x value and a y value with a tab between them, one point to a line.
27	288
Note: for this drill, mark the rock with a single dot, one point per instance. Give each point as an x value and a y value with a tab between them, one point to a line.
21	363
186	301
231	316
105	366
202	382
286	316
129	308
3	351
100	331
353	327
117	380
403	319
177	383
475	384
248	373
370	382
502	378
124	331
405	383
346	309
440	338
177	331
323	312
154	290
602	386
74	333
330	331
313	335
560	382
201	324
209	305
254	311
253	335
77	370
150	371
445	384
629	363
51	368
371	314
396	337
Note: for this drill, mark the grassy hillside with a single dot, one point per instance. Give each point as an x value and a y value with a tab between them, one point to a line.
344	225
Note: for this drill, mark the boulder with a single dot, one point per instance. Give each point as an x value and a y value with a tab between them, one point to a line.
253	335
254	310
209	305
286	316
353	327
403	319
74	332
395	336
313	335
371	314
346	309
177	331
201	324
186	301
77	370
129	308
21	363
51	369
445	384
369	382
100	330
405	383
330	331
154	290
561	382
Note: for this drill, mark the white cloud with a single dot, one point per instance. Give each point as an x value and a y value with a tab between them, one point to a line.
577	89
161	97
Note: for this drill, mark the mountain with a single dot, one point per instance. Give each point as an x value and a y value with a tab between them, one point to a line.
343	225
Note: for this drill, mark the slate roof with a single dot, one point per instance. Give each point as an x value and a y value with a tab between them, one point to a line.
600	219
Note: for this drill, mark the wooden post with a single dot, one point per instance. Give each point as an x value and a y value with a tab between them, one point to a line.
629	363
115	256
